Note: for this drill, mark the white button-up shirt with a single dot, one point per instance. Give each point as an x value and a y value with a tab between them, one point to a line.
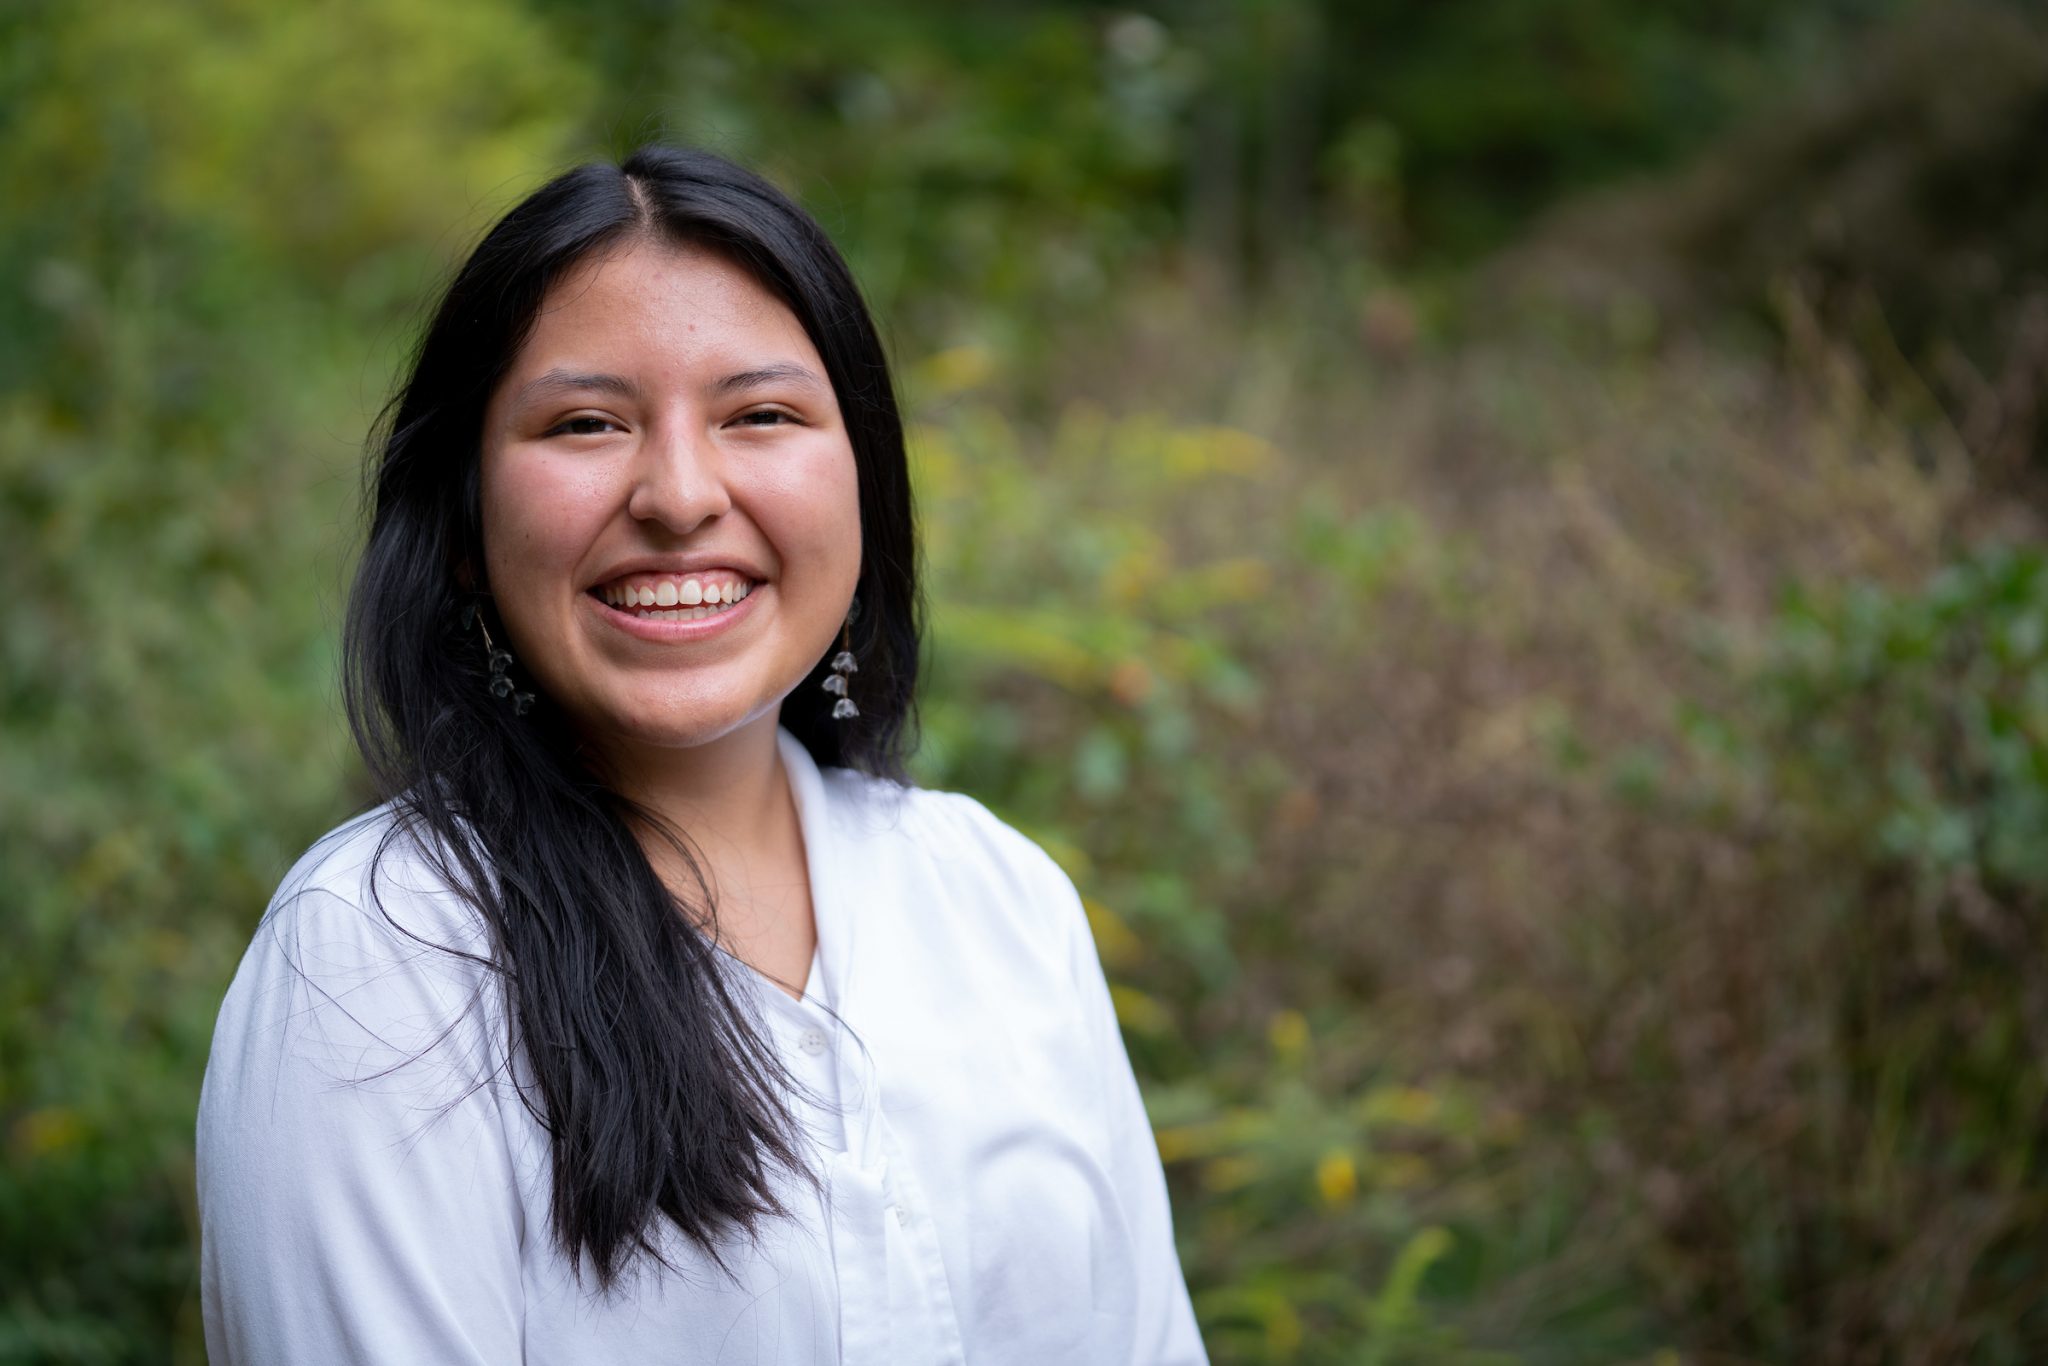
373	1189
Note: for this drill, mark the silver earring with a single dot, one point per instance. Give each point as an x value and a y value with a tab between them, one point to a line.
843	666
500	661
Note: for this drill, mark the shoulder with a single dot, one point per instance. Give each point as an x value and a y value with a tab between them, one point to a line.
376	875
949	828
365	1003
365	945
903	850
356	1129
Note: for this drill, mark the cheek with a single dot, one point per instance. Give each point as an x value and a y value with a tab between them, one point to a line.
535	513
816	509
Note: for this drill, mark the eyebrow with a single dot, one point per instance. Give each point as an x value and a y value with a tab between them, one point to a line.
556	382
778	371
568	381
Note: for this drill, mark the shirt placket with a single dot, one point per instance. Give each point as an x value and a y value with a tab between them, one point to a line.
904	1310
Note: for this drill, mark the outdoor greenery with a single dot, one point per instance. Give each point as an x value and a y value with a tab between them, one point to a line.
1498	542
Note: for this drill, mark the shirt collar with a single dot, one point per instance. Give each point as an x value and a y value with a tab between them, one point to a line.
836	929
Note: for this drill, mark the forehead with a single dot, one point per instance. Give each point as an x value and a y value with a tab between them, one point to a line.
660	304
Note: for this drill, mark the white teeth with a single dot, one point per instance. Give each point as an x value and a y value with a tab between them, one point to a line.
696	598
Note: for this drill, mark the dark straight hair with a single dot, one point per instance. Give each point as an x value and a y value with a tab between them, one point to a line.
659	1092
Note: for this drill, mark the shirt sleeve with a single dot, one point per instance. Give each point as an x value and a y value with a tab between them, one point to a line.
1167	1335
357	1186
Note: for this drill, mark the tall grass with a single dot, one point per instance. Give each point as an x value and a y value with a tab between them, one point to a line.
1562	823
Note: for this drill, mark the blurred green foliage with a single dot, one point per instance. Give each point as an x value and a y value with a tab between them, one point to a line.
1556	781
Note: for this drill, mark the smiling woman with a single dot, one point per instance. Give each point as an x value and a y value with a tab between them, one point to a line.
652	1016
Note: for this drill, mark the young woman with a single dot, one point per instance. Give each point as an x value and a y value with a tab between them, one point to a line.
652	1018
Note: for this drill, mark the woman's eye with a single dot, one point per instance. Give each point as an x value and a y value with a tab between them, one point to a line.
581	426
765	417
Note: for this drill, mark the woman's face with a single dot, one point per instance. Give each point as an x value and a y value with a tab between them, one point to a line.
671	523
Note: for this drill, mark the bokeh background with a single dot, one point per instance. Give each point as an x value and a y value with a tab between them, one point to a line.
1498	541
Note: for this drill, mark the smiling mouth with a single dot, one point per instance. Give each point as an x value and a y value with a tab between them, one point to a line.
674	597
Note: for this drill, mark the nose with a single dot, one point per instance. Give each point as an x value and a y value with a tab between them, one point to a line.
678	481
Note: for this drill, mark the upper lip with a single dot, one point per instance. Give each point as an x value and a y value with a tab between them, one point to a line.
698	563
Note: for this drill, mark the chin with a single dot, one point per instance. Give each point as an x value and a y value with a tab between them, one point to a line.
684	727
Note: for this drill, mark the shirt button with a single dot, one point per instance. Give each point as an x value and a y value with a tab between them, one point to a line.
812	1042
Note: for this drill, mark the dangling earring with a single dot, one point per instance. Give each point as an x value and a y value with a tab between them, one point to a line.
500	660
843	665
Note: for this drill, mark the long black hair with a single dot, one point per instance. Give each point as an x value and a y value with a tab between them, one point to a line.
659	1093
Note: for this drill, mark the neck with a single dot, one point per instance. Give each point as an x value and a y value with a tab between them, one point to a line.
724	796
732	802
